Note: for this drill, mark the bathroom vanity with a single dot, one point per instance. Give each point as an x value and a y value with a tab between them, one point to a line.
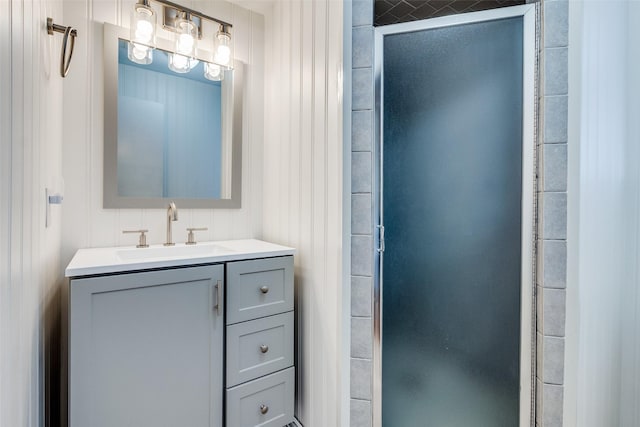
189	335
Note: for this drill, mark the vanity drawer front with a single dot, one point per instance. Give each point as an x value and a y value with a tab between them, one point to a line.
259	288
265	402
259	347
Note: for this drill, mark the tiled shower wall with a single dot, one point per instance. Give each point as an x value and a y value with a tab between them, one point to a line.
552	205
552	214
362	214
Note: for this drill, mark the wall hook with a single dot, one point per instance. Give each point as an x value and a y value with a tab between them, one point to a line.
65	62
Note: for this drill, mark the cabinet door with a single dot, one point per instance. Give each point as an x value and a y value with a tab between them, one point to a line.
146	349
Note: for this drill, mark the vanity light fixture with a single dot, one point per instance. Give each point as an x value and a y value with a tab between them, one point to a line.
223	48
143	33
222	54
184	59
188	27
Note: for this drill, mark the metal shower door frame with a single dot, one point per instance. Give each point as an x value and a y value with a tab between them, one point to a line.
527	334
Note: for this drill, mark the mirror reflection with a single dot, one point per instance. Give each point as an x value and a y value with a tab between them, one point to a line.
169	130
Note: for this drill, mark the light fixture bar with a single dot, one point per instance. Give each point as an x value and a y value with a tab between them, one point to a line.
171	15
193	13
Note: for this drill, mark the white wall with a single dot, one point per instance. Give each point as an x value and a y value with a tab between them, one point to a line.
30	160
303	187
603	306
86	223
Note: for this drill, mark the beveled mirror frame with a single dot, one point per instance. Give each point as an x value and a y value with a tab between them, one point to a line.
111	199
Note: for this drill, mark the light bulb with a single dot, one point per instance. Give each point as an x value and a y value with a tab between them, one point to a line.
144	31
143	25
139	53
223	55
213	72
179	63
223	48
185	41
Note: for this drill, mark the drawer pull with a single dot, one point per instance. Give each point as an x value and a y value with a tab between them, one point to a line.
264	348
264	409
264	289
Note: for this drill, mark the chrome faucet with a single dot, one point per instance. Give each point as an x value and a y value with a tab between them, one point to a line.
172	215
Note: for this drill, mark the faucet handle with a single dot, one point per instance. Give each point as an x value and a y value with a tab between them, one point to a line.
142	242
191	240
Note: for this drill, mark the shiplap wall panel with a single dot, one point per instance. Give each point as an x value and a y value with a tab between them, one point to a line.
5	212
334	215
603	315
303	188
86	223
30	160
5	193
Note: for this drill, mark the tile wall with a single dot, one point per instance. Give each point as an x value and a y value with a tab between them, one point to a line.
362	214
552	222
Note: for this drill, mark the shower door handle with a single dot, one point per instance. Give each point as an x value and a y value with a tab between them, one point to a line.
380	227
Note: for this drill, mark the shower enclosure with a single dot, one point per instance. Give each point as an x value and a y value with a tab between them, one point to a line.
455	187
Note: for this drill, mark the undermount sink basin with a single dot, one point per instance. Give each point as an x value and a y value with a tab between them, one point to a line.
172	252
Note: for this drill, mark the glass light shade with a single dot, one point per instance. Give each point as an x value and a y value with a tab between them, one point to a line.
179	63
139	53
142	37
223	48
186	38
143	25
213	72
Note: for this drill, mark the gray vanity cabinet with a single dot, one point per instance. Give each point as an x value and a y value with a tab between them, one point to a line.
146	348
260	372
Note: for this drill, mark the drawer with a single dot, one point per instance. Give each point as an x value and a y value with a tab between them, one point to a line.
259	347
265	402
259	288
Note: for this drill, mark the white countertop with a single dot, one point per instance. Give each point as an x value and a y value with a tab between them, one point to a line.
129	258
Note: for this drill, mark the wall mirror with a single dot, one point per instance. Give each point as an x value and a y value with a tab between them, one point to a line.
169	136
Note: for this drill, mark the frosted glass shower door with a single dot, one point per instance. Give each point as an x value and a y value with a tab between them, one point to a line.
452	190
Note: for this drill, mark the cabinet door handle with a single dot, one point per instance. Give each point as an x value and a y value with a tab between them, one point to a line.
264	348
264	409
264	289
217	305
